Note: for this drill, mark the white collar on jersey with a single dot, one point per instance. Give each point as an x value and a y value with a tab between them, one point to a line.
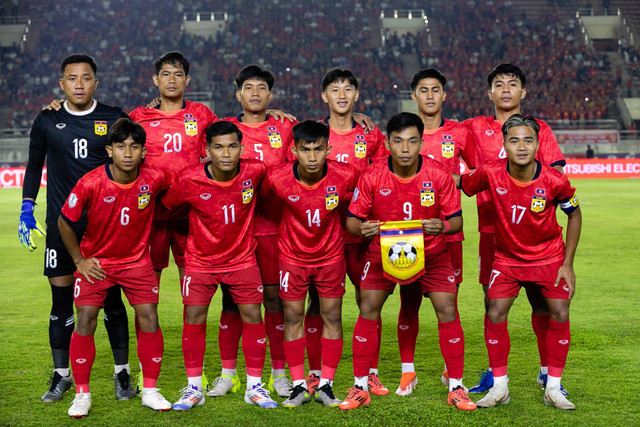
81	113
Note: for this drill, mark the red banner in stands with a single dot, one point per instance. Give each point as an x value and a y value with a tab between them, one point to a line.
587	137
13	177
602	168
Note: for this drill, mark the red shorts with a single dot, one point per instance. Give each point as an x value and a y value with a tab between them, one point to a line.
355	255
486	254
165	235
267	256
438	276
245	286
139	285
506	281
328	280
455	252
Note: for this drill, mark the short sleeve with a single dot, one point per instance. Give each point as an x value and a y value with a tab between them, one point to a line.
468	152
77	201
566	196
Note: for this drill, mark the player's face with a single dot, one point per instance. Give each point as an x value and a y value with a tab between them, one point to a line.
78	83
171	81
225	152
429	95
126	155
405	147
521	145
506	92
311	155
254	95
341	96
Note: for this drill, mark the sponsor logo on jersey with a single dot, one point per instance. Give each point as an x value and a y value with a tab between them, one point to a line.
294	198
205	196
331	200
109	199
385	191
143	200
190	125
361	147
427	197
154	124
247	195
73	200
100	127
489	132
501	191
61	126
538	203
274	137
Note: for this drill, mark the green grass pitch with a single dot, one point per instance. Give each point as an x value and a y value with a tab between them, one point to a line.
601	375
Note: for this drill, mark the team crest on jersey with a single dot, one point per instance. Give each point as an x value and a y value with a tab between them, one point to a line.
247	191
274	137
538	203
143	200
489	132
448	146
331	198
190	125
100	127
427	197
361	147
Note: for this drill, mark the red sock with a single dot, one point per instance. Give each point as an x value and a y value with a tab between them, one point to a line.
193	348
294	354
451	339
82	353
136	326
558	341
313	331
331	354
498	347
376	356
254	347
540	324
408	326
229	339
150	349
365	336
274	323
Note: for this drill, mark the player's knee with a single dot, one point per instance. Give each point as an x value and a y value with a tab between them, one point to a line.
147	316
293	316
251	313
272	301
497	314
86	320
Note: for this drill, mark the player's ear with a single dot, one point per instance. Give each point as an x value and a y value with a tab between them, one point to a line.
490	95
444	95
109	149
187	80
155	80
357	96
270	96
61	84
324	97
421	143
239	95
328	149
294	151
387	144
241	149
523	94
413	96
144	152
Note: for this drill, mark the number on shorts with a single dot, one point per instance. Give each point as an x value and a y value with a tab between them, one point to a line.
51	258
365	270
76	288
494	275
284	281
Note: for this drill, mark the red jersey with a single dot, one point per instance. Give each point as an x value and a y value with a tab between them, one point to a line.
488	140
269	142
175	139
118	216
447	144
310	231
382	196
527	232
220	216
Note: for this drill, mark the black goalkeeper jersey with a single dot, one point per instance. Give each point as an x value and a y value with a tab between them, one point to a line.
73	143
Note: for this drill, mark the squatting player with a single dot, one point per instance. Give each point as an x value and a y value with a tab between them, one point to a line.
118	199
530	251
221	251
349	144
311	252
506	90
402	187
72	140
445	141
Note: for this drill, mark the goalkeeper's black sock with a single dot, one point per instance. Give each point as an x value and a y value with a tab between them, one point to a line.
117	325
61	324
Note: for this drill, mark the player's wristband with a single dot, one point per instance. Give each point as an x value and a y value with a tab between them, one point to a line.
447	227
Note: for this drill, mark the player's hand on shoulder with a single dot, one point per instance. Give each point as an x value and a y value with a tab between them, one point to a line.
432	226
364	122
55	105
281	115
568	274
90	269
370	228
154	103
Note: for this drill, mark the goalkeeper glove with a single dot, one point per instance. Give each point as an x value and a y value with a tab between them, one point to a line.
29	224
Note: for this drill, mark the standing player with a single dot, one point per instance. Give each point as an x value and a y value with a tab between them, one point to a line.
311	252
447	142
221	251
118	200
266	139
530	251
506	91
72	139
349	144
404	187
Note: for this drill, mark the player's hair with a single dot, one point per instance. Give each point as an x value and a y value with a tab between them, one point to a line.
222	127
517	120
172	58
427	73
339	74
125	128
508	69
79	59
310	131
402	121
254	71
